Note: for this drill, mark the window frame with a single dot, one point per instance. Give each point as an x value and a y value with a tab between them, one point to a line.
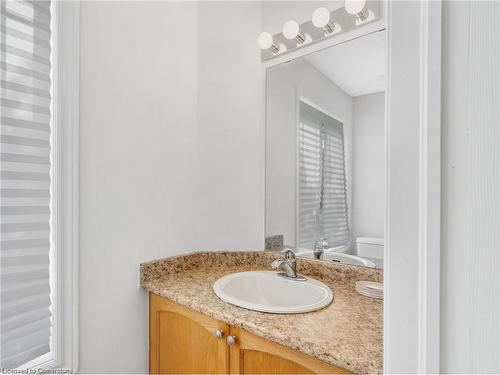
64	260
347	166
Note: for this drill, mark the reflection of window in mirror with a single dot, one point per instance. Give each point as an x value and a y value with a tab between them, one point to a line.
322	193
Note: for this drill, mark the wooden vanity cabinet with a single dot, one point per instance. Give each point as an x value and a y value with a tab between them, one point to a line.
183	341
253	354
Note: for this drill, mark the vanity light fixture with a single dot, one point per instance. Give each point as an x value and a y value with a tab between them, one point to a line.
321	20
265	41
324	24
291	30
358	8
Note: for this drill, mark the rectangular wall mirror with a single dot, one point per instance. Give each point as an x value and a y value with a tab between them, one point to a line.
325	153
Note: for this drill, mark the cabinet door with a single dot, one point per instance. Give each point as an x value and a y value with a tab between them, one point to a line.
183	341
255	355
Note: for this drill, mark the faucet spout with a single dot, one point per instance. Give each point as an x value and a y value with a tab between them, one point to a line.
285	266
288	265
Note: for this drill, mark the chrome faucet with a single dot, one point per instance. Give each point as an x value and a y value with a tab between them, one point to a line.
288	264
319	248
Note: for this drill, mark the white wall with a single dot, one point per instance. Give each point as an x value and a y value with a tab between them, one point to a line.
230	135
368	180
285	85
141	142
470	294
171	155
137	142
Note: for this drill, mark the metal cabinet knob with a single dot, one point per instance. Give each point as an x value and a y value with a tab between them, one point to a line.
219	334
231	340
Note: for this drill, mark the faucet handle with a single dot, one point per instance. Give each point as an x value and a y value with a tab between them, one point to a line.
291	259
289	254
288	263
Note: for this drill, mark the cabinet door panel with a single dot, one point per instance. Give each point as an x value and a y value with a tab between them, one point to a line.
255	355
259	362
182	341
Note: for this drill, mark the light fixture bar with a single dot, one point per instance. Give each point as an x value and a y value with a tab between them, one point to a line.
324	24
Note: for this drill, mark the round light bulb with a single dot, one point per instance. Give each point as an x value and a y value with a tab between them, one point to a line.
291	29
321	17
265	40
354	6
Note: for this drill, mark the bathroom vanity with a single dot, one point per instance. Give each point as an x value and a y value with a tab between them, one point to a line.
205	345
191	330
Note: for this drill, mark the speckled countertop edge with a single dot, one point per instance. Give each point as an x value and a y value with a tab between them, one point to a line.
347	333
332	271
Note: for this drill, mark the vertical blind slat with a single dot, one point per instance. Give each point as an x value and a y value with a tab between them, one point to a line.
323	210
25	212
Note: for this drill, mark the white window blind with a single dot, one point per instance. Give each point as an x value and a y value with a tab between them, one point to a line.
25	320
322	180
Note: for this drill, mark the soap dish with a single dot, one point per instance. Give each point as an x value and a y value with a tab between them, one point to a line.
370	289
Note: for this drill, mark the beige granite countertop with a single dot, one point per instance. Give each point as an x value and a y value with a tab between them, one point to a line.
347	333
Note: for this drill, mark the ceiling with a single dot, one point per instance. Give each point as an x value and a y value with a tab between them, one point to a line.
357	66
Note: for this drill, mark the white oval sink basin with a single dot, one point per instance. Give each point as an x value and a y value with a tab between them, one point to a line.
339	257
267	292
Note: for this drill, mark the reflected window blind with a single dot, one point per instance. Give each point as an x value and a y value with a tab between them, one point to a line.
322	180
25	320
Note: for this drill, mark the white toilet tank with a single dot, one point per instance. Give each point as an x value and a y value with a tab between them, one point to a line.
370	247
